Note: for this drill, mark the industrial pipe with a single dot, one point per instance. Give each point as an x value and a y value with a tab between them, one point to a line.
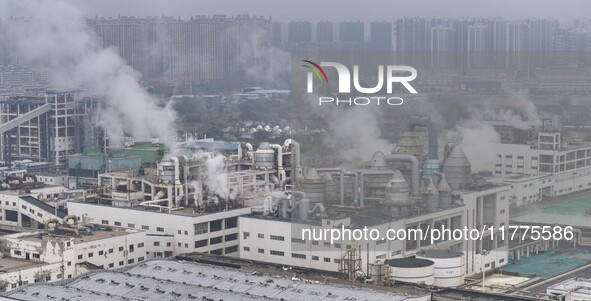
280	170
415	180
175	162
297	173
341	180
362	182
426	122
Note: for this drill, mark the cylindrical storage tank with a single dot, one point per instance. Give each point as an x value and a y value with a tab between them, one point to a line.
397	190
412	270
313	186
349	186
445	194
330	187
457	168
410	143
264	157
431	197
448	266
304	209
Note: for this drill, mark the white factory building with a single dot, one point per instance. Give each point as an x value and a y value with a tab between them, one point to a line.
569	165
66	251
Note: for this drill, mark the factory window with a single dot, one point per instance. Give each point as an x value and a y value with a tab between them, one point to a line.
314	242
520	157
262	251
394	253
159	229
215	240
130	261
169	244
186	245
327	244
178	244
178	231
101	252
296	255
502	210
79	256
231	222
338	246
216	252
140	259
326	259
215	225
315	258
110	251
247	249
144	227
276	253
24	207
337	260
298	240
90	254
35	255
276	237
69	263
156	244
487	265
261	235
111	265
120	249
105	222
130	225
117	223
121	263
201	228
186	232
231	249
502	198
13	285
501	260
245	235
231	237
140	245
509	156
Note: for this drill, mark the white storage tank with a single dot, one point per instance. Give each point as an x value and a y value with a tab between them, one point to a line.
264	157
412	270
448	265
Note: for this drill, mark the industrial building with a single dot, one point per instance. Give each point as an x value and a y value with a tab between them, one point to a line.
66	249
574	289
179	280
45	126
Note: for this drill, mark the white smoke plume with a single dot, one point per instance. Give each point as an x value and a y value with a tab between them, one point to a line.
214	175
476	139
56	35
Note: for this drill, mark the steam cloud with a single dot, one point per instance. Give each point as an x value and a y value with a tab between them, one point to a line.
55	34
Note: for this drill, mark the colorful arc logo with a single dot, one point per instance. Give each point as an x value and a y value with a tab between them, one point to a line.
315	68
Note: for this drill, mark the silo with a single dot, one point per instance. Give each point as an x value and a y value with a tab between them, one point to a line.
412	270
375	184
264	157
410	143
448	266
330	187
445	196
457	168
397	190
431	197
313	186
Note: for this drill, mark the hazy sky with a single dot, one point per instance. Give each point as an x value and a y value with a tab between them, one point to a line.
315	10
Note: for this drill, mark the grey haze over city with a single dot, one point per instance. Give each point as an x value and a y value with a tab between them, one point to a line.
333	10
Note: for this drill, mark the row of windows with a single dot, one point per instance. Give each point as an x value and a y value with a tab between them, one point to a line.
294	240
216	225
216	240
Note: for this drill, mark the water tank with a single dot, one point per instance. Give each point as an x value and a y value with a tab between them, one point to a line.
330	187
445	194
412	270
448	266
264	157
397	190
431	197
457	168
313	186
